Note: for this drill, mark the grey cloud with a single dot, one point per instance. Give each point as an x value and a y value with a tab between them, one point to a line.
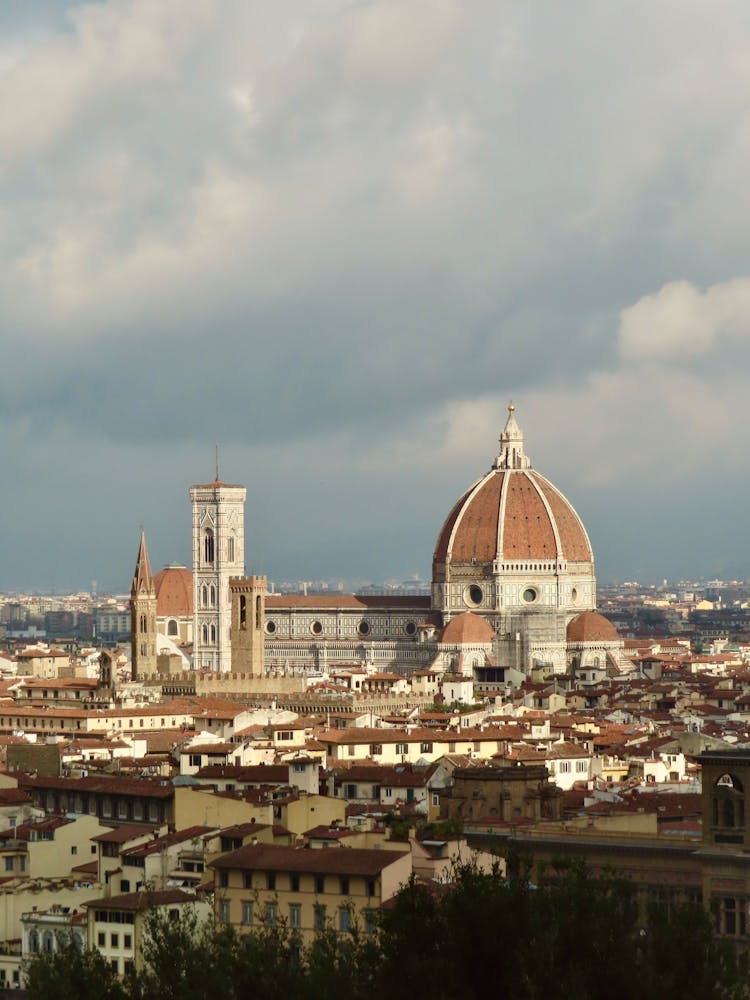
314	229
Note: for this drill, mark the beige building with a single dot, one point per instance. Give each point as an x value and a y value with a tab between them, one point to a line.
116	924
308	889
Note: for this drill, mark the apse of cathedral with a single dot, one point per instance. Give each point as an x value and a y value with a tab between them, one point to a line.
513	592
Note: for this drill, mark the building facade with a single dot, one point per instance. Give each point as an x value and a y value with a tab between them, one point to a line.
218	555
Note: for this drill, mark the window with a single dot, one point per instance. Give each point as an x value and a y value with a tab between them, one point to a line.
223	911
124	885
212	595
9	864
243	611
319	918
425	747
376	749
344	886
371	887
248	880
294	883
344	918
101	939
114	940
295	916
127	940
33	942
247	912
581	766
230	548
371	921
320	883
172	629
564	767
208	546
402	748
271	881
350	791
270	915
223	879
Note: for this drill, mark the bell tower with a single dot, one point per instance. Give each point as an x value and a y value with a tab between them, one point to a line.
248	621
142	616
218	555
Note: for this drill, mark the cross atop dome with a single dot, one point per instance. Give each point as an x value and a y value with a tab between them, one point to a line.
511	445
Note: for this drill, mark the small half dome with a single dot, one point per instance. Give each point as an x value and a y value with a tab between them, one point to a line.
174	592
466	629
590	626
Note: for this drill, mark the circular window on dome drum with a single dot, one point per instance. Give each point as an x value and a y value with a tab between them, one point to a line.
363	628
270	627
474	595
316	628
410	628
530	595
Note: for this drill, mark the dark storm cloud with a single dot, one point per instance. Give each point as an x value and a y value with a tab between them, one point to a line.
336	238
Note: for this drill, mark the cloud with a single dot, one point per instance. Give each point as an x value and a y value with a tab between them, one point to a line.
679	321
338	237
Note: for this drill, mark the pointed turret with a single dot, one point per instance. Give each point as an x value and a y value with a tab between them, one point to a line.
511	445
143	581
143	616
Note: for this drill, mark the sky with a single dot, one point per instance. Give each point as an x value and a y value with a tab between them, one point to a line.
336	237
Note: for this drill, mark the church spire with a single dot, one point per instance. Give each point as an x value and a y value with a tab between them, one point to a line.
143	581
511	445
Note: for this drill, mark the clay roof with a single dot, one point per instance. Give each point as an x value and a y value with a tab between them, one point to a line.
353	861
174	592
590	626
537	522
141	900
468	628
364	602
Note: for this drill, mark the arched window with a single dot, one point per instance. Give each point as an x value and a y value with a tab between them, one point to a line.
204	633
143	624
47	942
204	596
208	546
258	612
243	611
172	628
212	595
213	633
728	808
230	548
33	942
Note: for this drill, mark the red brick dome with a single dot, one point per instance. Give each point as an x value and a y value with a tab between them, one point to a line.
513	514
590	626
174	592
466	629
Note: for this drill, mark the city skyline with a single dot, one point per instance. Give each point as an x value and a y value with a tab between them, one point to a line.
337	238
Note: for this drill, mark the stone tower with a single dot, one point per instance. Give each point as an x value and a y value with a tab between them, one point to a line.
248	619
218	555
143	615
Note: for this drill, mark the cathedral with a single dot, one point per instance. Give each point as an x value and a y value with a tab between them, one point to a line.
513	592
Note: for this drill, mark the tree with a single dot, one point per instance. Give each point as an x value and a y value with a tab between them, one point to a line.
73	974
